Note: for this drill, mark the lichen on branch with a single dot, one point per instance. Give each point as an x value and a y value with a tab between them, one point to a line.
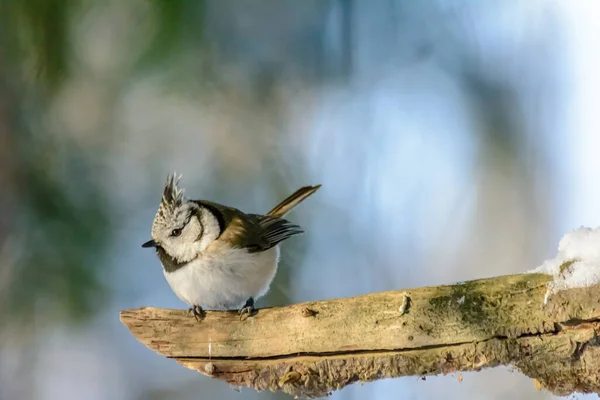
451	328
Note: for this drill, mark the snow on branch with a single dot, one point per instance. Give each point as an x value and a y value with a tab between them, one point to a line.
577	264
544	323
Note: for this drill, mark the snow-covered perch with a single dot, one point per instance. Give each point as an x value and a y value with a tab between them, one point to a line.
577	264
544	324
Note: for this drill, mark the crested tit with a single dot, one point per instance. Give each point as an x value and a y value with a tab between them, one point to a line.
216	256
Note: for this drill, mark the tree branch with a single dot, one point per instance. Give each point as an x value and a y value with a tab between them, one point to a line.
313	348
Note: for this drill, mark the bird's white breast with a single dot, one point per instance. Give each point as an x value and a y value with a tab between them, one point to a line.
224	279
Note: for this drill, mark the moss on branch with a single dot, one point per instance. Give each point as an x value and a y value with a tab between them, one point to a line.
450	328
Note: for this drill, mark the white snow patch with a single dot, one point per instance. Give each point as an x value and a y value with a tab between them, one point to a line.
577	264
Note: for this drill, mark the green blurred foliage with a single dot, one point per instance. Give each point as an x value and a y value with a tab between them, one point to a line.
176	22
60	212
65	228
35	35
63	222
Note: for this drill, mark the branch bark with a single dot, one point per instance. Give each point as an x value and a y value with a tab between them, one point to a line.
311	349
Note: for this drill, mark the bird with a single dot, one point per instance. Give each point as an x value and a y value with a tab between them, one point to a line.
218	257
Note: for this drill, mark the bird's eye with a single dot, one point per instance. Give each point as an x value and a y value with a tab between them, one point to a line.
176	232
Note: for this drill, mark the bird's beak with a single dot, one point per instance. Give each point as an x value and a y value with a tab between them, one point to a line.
150	243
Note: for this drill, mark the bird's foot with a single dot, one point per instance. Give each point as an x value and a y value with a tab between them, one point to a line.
248	309
197	312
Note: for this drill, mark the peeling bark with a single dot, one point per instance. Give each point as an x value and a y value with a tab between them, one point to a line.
311	349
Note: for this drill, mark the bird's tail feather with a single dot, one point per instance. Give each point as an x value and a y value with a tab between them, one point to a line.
281	209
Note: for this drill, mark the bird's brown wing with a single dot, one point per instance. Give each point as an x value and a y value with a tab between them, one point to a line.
253	232
270	231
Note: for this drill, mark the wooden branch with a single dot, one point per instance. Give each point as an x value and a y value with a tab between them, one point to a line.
311	349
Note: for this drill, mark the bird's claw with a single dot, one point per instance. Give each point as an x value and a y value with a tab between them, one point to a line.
246	312
197	312
248	309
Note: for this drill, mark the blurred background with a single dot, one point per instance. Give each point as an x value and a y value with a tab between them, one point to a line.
454	140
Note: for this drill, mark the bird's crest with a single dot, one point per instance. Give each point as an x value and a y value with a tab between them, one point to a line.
172	198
